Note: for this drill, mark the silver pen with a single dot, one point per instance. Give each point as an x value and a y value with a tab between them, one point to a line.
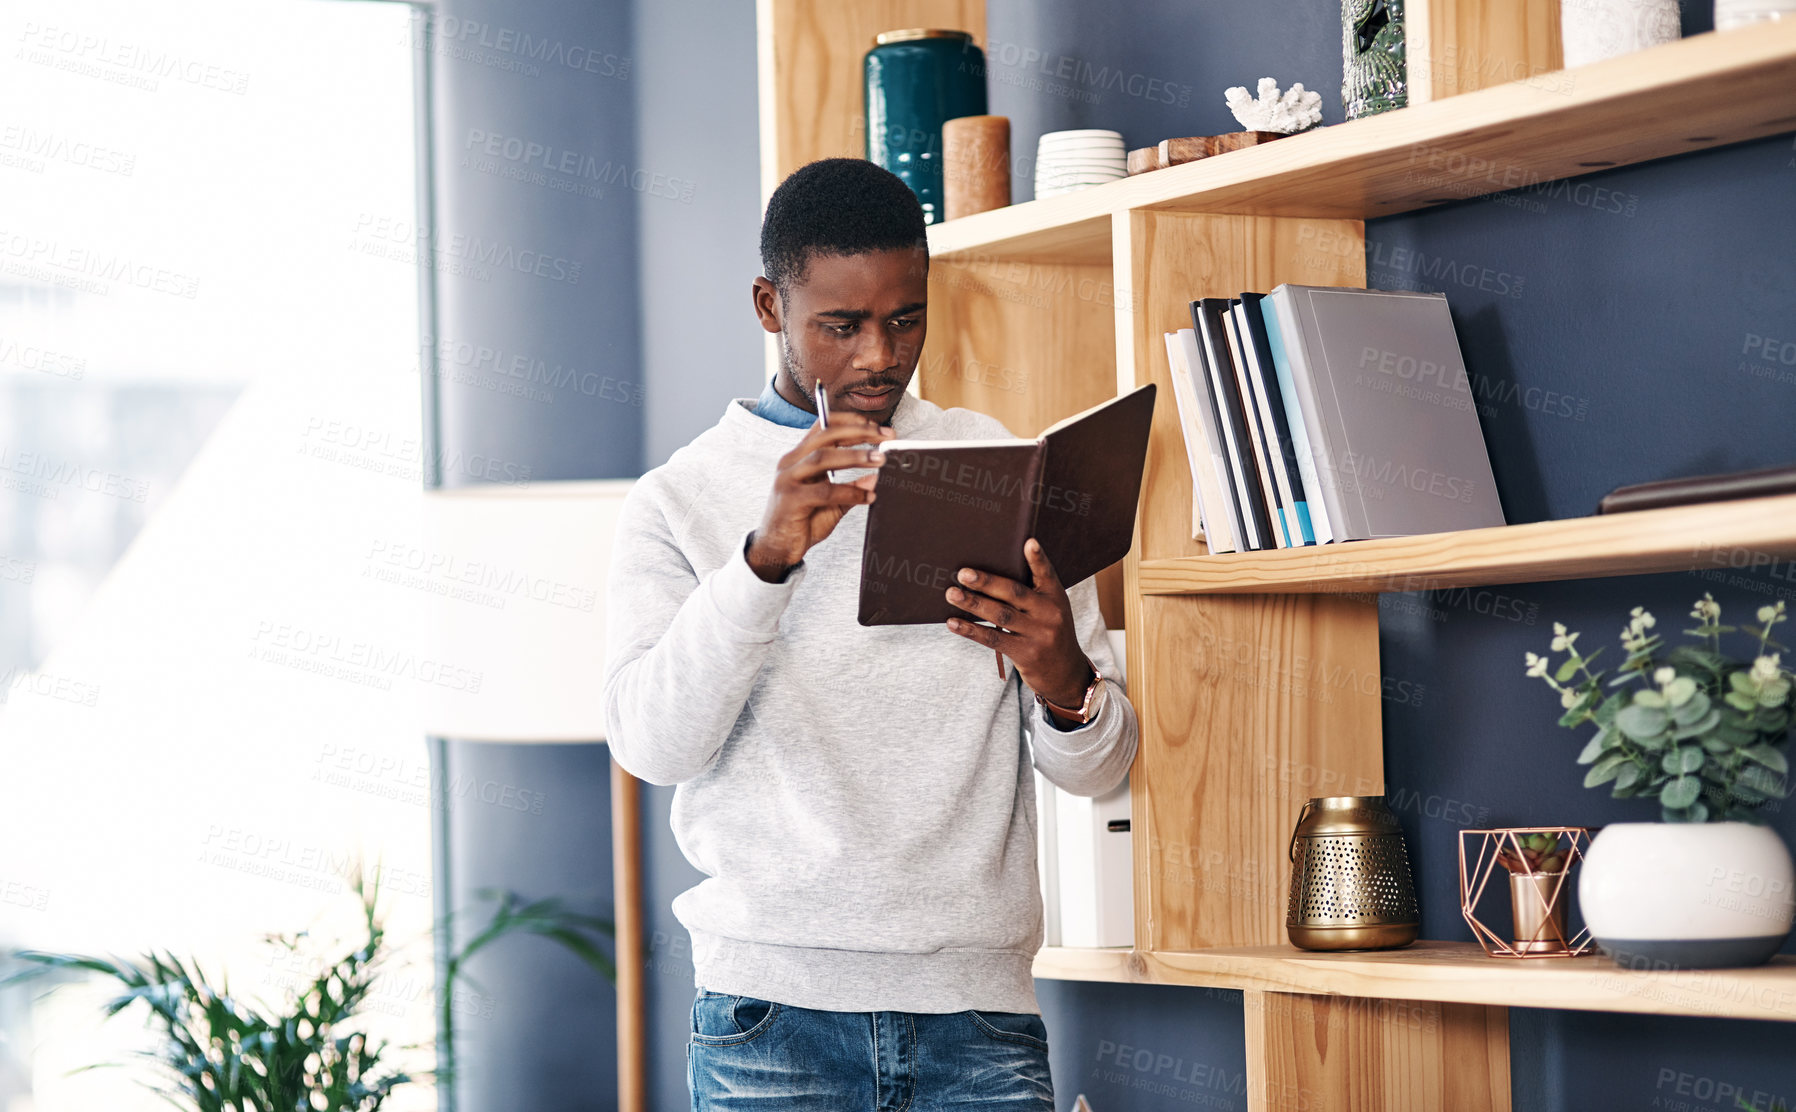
823	420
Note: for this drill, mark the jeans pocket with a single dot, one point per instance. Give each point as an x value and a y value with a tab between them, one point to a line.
719	1019
1013	1027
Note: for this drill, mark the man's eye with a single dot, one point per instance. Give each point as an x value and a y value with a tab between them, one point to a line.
840	329
904	322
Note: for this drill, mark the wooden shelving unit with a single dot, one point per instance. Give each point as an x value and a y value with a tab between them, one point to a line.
1675	539
1447	972
1043	309
1701	92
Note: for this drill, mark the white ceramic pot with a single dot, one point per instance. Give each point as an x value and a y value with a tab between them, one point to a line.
1660	895
1596	29
1738	13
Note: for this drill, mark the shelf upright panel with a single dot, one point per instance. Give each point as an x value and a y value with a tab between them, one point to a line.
1459	46
1354	1054
1249	704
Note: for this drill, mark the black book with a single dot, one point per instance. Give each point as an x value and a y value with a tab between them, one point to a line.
1265	463
1265	377
1206	314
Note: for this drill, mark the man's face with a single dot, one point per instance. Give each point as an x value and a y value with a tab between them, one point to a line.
854	323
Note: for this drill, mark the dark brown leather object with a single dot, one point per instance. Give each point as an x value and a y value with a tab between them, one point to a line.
1702	488
946	506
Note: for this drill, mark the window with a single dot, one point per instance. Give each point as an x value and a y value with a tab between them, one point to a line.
209	431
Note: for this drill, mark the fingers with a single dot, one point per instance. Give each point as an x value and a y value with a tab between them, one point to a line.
997	586
997	612
984	635
1046	579
809	467
845	429
852	429
836	494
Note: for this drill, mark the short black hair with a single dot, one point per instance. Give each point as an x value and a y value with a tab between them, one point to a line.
837	206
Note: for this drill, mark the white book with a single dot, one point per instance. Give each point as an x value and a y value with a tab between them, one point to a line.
1097	870
1225	520
1194	449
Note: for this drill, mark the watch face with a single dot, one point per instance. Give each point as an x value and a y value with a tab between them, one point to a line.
1095	696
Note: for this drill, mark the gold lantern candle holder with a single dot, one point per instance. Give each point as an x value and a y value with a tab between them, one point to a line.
1538	861
1351	887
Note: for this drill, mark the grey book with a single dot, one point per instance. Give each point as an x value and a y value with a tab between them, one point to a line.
1389	411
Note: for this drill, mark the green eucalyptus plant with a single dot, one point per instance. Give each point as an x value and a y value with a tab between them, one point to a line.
1691	728
219	1051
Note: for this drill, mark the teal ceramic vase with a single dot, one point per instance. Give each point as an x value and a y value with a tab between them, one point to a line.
915	81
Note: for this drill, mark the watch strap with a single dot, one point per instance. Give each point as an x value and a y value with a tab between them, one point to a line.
1087	708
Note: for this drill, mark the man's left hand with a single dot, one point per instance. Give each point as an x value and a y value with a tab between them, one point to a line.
1035	626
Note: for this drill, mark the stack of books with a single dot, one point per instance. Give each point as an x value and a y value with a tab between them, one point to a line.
1317	414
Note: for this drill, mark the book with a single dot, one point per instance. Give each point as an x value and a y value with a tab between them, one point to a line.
1188	428
1227	532
944	505
1273	420
1700	488
1320	526
1389	411
1256	428
1206	313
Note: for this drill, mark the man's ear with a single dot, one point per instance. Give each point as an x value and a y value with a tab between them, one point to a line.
767	304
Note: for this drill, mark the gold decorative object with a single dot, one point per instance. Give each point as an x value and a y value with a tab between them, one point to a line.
1350	881
1538	861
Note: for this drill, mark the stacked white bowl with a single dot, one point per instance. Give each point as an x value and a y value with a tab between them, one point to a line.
1738	13
1070	160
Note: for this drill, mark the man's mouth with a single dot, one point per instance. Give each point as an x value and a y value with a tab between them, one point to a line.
869	399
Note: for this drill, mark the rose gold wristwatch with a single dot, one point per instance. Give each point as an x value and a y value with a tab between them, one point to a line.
1089	707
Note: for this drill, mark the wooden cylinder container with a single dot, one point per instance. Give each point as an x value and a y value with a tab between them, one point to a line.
975	164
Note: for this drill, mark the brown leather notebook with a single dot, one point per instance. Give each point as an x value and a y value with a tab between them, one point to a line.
1702	488
944	505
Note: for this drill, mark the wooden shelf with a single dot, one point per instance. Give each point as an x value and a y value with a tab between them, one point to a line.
1705	91
1716	535
1448	972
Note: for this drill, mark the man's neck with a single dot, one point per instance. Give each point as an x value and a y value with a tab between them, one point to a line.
784	387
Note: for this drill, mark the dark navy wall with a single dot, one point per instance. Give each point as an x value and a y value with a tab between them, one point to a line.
1151	70
537	184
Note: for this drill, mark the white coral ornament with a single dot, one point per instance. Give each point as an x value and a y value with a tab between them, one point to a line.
1287	114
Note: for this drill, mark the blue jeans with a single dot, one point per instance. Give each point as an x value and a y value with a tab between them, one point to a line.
748	1054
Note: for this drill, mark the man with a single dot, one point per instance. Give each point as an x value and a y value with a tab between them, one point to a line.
859	798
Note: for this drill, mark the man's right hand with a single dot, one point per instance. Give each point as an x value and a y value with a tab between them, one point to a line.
805	506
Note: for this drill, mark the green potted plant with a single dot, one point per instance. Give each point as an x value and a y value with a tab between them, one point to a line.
220	1051
1699	733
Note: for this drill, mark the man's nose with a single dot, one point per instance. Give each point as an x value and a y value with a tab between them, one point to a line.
877	351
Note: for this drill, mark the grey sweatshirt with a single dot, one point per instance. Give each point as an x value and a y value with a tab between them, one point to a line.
859	799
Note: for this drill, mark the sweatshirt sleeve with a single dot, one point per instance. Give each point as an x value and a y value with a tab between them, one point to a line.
682	652
1094	758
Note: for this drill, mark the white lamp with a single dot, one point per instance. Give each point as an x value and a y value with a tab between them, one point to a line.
517	648
517	617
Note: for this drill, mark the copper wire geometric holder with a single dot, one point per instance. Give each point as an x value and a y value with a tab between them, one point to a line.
1477	867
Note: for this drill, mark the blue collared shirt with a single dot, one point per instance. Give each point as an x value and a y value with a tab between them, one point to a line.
782	412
